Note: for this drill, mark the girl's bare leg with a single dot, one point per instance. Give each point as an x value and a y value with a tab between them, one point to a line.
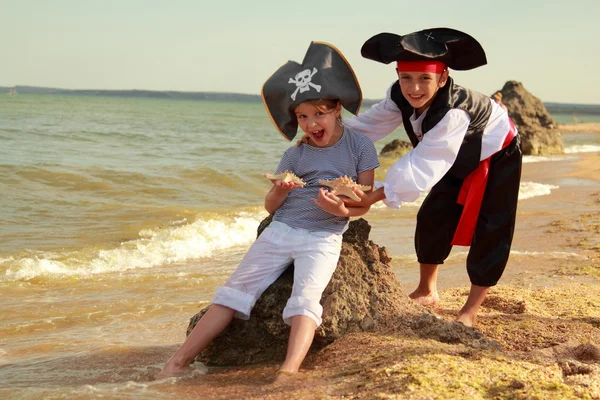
301	337
426	293
207	329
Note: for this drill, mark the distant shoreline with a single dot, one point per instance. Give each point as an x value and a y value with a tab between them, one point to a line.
552	107
580	127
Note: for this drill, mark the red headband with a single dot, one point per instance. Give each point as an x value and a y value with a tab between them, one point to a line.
437	67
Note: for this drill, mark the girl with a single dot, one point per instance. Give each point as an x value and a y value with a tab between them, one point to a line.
308	221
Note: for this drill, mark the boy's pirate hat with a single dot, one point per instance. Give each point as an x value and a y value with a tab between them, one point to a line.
455	49
323	74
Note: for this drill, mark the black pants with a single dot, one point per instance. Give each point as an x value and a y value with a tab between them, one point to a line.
439	214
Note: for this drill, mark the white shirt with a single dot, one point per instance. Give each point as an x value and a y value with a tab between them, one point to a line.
424	166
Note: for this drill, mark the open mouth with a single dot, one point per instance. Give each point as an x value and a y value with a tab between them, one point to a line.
318	135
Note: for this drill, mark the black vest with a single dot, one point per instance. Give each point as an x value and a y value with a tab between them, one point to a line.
477	105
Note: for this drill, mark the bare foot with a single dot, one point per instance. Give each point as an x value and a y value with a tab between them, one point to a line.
466	319
426	299
172	368
282	377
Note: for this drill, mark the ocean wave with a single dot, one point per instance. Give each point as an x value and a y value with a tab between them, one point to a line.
154	247
582	148
555	254
533	189
536	159
574	149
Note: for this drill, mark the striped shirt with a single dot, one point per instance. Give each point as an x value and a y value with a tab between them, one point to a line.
352	154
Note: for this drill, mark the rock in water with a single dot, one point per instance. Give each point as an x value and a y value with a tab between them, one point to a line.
536	126
363	295
396	148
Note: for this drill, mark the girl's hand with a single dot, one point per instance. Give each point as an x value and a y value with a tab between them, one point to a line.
285	186
331	203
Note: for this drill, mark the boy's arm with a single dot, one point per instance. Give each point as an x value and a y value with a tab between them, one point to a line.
378	121
422	167
367	199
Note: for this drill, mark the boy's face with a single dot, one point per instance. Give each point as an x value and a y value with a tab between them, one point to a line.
319	123
419	88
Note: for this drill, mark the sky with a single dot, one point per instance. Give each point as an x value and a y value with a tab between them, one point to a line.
551	46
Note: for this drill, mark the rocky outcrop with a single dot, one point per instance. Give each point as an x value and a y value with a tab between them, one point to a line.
536	126
363	295
396	148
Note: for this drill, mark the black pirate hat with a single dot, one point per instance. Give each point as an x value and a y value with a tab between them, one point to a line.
323	74
454	48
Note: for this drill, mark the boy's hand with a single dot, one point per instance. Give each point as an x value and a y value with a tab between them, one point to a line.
303	139
364	199
331	203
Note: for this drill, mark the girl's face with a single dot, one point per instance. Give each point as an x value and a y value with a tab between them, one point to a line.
320	123
419	88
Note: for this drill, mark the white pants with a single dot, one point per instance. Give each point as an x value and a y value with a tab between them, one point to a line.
315	256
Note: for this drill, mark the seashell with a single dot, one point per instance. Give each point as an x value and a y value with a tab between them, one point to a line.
285	176
343	186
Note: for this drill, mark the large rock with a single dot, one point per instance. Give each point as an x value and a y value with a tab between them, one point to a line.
363	295
396	148
537	128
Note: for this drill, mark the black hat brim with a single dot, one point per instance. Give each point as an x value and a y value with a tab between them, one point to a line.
456	49
329	76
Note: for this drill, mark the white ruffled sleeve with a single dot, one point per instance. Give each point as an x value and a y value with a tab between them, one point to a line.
422	167
378	121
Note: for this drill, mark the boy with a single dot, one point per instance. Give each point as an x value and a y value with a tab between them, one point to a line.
466	153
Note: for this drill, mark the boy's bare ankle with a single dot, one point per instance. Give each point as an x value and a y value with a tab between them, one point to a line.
466	318
425	297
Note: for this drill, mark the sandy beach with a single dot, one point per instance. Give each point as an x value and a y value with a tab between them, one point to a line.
544	314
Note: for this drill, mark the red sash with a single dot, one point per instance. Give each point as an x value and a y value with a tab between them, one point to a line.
471	196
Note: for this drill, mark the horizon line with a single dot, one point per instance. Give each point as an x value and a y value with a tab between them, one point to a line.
210	92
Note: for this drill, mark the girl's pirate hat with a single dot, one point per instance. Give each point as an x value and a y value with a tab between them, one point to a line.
324	74
455	49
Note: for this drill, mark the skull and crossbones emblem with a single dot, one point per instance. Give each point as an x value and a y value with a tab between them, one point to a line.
303	82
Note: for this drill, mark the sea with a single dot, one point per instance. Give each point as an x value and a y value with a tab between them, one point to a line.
120	216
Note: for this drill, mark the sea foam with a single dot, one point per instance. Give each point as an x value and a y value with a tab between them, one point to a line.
154	247
534	189
574	149
582	148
